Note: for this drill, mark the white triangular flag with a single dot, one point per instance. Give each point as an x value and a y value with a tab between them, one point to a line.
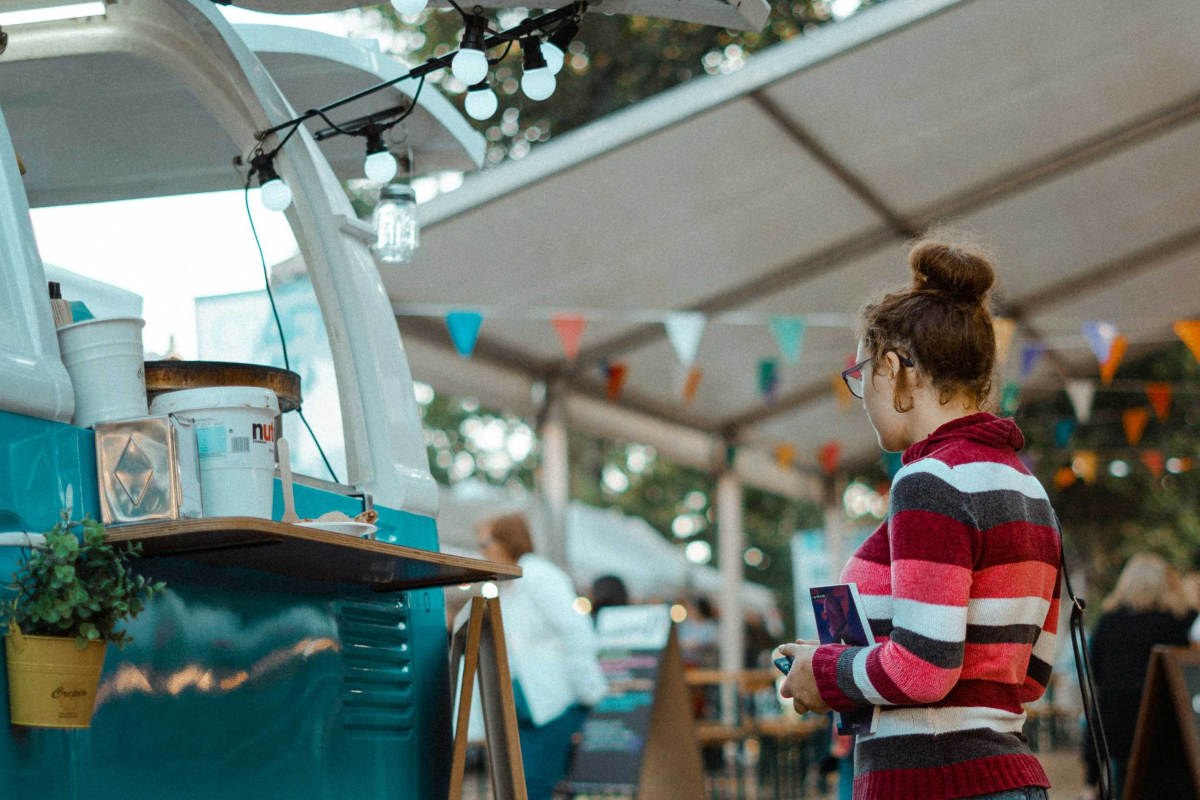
1082	392
684	329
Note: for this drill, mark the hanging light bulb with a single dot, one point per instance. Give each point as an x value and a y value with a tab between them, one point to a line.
380	165
275	194
470	64
554	49
397	232
409	7
538	82
481	101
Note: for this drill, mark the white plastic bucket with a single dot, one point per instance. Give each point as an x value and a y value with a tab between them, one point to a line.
235	431
104	359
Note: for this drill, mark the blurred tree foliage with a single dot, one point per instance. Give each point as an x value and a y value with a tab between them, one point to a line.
676	501
615	61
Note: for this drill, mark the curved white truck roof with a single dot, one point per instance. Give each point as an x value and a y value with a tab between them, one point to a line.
96	117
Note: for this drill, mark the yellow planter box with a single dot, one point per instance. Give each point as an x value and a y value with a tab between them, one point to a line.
51	682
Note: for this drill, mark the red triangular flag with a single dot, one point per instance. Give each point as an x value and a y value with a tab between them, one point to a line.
830	455
1135	420
1109	368
569	328
1189	331
616	374
1160	399
692	383
1154	461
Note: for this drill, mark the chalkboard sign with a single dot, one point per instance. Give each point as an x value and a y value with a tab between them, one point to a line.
1165	762
640	741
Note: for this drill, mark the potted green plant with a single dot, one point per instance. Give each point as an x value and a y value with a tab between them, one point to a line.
72	599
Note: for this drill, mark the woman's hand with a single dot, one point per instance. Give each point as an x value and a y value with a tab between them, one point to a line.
800	684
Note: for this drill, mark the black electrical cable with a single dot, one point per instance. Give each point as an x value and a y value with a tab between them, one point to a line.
411	106
279	325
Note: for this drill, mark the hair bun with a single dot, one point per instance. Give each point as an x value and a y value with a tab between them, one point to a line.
955	270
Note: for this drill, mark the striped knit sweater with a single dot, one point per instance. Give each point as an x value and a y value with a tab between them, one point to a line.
961	588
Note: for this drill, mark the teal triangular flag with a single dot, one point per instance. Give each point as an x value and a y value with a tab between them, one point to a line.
789	336
768	378
464	330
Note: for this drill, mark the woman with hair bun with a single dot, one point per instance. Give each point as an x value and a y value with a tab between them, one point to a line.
960	583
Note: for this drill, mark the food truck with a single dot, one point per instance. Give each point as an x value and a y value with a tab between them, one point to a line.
280	664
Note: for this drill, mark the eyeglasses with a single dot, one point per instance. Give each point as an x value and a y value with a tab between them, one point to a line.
853	376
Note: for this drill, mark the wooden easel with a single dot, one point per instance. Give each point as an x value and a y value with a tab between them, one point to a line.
1165	762
479	644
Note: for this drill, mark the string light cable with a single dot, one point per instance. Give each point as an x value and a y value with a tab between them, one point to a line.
278	324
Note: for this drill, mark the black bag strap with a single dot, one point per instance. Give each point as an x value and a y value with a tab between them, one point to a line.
1083	666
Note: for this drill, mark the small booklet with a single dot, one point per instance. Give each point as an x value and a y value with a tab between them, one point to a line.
841	619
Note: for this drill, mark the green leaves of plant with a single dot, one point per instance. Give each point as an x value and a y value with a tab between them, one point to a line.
79	590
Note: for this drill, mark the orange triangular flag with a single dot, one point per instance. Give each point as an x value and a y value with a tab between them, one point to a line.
1135	420
692	383
569	328
1085	464
616	375
1154	461
785	455
842	392
1189	331
1109	368
1160	399
1065	478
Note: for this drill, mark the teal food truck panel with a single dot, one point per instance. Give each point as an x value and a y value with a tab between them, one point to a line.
238	684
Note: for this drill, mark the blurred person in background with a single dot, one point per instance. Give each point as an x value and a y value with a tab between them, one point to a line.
608	591
1147	608
551	652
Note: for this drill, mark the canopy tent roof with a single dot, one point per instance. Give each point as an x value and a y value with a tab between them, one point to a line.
121	126
1064	133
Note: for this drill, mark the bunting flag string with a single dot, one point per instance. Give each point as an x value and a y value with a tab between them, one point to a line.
1160	399
785	455
1081	392
1010	399
1003	330
1108	369
1031	353
684	330
464	330
569	328
1062	432
830	456
768	378
1085	464
1065	478
789	333
615	373
842	392
692	383
1188	330
1100	336
1134	420
1154	461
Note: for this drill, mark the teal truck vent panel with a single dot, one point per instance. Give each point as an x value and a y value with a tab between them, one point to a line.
378	670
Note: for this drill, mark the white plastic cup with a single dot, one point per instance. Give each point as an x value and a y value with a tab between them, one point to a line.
104	359
235	433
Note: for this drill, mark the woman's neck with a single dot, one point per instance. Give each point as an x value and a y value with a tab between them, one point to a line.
928	414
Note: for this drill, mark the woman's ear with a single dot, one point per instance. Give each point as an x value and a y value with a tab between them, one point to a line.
901	383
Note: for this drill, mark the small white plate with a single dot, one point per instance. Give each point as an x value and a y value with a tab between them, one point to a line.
363	530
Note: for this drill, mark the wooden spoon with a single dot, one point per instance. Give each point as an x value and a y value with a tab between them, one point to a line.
285	472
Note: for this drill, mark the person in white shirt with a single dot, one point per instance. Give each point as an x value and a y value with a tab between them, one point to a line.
551	653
